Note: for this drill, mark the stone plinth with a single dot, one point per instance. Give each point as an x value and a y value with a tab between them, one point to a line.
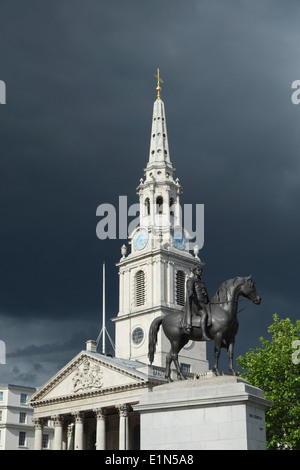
225	413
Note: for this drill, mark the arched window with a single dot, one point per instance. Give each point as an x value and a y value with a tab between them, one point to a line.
172	207
159	204
139	288
180	288
147	206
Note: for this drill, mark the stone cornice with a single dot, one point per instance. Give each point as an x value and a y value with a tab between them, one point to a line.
89	394
166	251
157	308
204	393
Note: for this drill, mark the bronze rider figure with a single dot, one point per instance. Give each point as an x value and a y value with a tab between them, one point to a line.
196	301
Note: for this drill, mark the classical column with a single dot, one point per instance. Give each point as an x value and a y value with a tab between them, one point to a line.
152	208
123	427
100	428
170	283
122	293
38	433
78	439
167	209
178	214
58	425
70	437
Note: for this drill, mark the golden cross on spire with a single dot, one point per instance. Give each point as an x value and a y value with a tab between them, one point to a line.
159	81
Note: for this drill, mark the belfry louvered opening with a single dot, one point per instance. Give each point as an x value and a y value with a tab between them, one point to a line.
139	288
180	288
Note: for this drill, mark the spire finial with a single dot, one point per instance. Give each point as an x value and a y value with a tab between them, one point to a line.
159	81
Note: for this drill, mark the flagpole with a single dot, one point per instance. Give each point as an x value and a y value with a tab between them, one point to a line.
104	331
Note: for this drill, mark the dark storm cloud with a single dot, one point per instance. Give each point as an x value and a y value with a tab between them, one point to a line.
75	133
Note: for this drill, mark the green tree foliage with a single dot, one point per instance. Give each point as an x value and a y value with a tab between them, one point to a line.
275	368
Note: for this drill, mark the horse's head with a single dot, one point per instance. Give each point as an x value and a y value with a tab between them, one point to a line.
248	290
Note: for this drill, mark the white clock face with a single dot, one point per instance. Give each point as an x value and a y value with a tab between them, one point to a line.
140	239
179	239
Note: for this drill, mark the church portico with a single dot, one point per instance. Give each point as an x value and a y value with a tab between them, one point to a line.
112	428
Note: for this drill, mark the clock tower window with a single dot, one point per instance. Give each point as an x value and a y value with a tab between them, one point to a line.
159	205
180	288
139	288
172	207
147	206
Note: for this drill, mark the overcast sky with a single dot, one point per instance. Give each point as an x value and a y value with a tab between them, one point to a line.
75	133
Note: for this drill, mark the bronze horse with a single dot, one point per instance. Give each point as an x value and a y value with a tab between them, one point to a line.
223	329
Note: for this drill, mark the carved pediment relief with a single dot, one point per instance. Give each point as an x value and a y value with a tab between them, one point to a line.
87	376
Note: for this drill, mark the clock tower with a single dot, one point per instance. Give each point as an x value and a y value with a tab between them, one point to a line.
152	278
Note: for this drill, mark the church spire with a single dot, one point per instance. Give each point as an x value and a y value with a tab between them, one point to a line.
159	187
159	147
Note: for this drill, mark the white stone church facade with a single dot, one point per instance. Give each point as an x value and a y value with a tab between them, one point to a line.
91	400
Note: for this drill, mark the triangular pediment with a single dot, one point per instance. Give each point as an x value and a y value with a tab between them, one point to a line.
89	374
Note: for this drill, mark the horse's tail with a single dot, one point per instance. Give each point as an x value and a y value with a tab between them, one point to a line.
154	327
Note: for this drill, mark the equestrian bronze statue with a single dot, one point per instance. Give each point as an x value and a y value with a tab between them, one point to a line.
204	320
